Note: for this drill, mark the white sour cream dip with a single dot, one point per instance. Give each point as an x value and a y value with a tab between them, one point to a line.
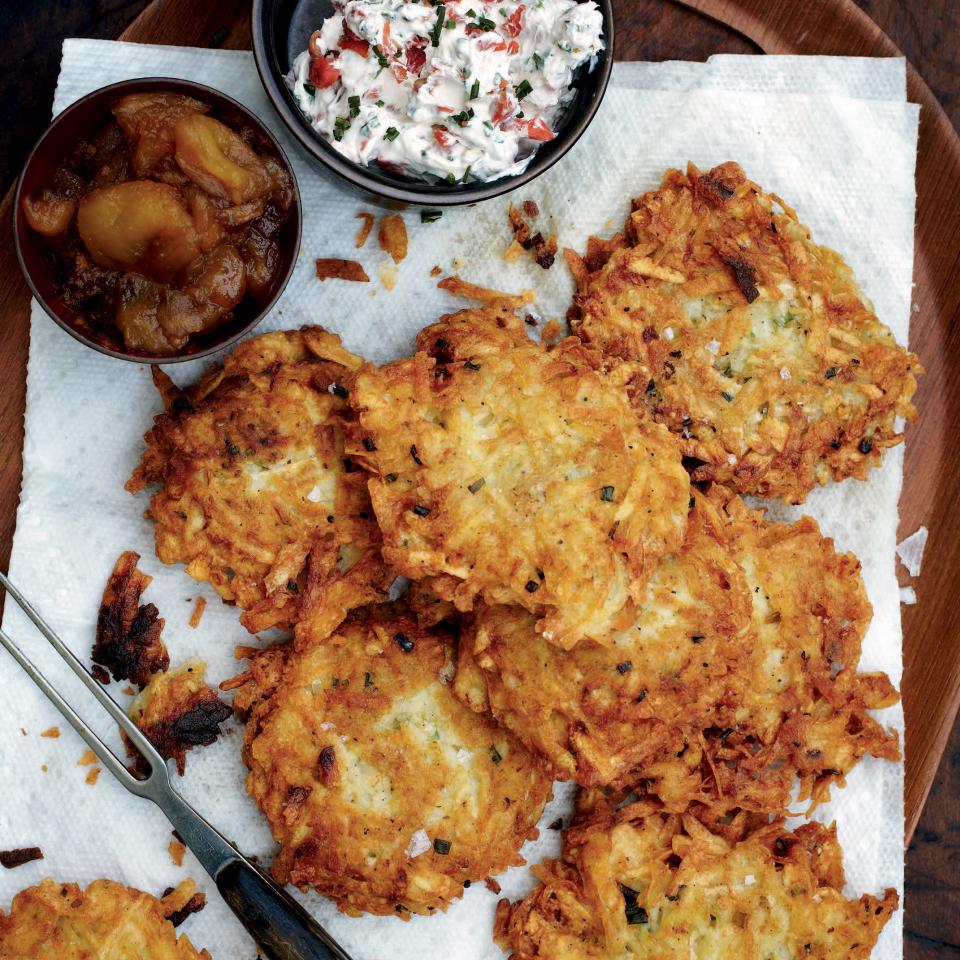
458	90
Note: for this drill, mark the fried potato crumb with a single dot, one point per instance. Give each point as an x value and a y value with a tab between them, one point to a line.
92	776
11	859
51	733
388	274
392	237
87	758
364	232
178	711
104	920
128	638
458	287
336	268
176	849
200	604
436	270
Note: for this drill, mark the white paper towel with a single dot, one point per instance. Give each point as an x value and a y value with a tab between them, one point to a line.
834	137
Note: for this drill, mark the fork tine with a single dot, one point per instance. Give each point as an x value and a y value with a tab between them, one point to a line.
106	755
133	732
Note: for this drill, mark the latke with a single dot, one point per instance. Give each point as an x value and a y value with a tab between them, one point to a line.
643	883
257	496
59	921
516	474
757	347
736	673
384	792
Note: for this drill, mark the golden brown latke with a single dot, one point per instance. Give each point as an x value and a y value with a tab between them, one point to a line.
128	641
256	494
178	711
384	792
644	883
757	346
107	921
516	474
736	673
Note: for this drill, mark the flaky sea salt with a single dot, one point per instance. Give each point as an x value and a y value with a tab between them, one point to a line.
419	843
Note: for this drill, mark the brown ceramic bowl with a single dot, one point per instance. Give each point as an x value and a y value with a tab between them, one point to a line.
81	120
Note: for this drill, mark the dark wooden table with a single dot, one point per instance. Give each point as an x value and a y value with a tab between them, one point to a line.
929	34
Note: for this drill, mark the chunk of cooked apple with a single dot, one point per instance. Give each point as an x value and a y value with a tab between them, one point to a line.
216	159
138	224
148	120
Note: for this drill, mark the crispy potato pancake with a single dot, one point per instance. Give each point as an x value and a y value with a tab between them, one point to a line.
256	494
108	921
657	886
736	673
128	640
384	792
516	474
178	711
757	346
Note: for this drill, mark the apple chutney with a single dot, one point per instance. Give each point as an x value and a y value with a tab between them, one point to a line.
164	223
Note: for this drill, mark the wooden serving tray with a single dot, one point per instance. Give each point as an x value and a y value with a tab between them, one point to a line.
694	29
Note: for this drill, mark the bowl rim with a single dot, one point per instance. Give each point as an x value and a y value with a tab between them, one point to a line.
201	89
426	195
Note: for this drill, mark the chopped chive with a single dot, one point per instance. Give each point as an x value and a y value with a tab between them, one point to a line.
495	754
379	103
651	387
476	485
538	61
354	105
403	642
310	88
624	667
391	134
606	494
523	89
442	847
450	178
483	23
430	216
367	680
415	455
381	58
340	126
421	511
391	478
726	396
450	25
532	586
831	373
470	365
292	586
632	910
438	26
466	174
471	12
475	90
369	445
865	446
697	638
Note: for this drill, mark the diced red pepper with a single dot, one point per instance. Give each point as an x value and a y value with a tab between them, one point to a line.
399	72
441	136
323	73
504	108
350	41
538	130
416	55
514	24
487	41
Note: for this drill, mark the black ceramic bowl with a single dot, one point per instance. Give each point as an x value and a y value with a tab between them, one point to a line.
80	121
280	31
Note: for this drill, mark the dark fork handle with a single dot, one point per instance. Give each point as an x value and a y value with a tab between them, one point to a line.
282	929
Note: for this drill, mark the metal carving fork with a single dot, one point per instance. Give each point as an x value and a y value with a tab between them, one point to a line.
282	929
